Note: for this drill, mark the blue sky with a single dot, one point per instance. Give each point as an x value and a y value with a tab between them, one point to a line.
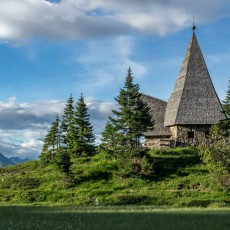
49	49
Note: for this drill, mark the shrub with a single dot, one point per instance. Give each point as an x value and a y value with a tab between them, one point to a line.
20	183
131	199
218	163
30	196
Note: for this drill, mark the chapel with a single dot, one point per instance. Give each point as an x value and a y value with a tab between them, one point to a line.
186	118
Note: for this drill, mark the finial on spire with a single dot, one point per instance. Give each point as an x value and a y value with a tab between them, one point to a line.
193	25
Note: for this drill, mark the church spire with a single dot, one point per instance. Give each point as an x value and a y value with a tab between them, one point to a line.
194	99
193	26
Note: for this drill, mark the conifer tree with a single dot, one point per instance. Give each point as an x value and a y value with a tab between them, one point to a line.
67	119
225	124
62	160
125	128
108	138
51	141
82	130
226	102
133	117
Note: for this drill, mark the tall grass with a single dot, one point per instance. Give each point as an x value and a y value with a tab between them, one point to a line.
109	218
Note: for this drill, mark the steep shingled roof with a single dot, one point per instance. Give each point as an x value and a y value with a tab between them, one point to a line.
194	99
157	110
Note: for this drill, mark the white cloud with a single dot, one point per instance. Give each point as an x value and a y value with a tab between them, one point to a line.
23	126
70	19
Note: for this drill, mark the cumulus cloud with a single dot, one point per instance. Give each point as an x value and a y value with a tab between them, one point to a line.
99	112
17	116
70	19
23	126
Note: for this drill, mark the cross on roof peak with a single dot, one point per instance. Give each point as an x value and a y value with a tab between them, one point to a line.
193	25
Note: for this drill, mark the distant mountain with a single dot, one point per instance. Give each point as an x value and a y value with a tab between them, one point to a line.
4	161
17	160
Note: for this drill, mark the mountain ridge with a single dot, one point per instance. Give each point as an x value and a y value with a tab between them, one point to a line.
5	161
18	160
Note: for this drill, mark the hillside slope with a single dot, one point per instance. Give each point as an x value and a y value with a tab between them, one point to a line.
180	179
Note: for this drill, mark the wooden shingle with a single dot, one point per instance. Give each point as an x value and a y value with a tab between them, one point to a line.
194	100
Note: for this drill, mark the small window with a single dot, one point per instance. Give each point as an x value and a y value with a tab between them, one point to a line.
207	134
190	134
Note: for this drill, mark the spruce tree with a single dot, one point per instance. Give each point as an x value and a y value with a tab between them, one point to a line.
67	119
125	128
226	102
108	138
133	117
51	141
82	130
62	160
225	124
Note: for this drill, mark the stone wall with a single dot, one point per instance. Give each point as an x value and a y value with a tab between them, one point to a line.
180	134
180	137
158	142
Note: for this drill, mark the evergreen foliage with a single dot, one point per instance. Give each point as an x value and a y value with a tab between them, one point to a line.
131	120
71	136
218	163
226	102
225	124
123	132
51	142
216	155
217	138
67	119
220	132
108	138
62	160
83	137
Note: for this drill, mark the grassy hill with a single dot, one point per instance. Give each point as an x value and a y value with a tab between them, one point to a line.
180	179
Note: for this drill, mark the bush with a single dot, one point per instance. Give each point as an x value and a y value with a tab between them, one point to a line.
134	165
131	199
68	182
20	183
218	163
62	161
30	196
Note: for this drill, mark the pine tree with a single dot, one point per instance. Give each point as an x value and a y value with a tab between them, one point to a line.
82	130
108	138
51	141
220	132
67	119
226	102
62	160
125	128
46	155
133	117
225	124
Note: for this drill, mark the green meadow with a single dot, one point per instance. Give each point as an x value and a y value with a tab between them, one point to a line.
180	194
180	179
121	217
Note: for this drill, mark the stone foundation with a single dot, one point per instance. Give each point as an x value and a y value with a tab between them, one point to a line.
158	142
193	135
